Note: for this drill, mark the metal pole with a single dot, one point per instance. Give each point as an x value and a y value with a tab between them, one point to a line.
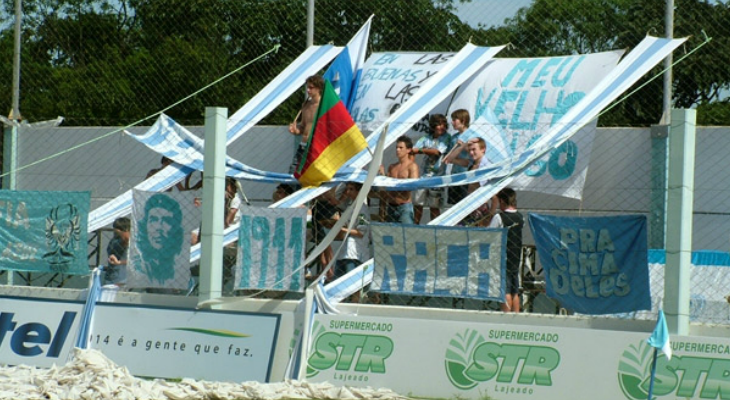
10	134
310	23
680	200
15	113
10	139
667	93
214	176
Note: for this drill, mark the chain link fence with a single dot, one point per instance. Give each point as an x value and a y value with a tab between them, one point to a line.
115	64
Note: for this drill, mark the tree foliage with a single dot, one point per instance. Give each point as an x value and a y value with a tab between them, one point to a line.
114	62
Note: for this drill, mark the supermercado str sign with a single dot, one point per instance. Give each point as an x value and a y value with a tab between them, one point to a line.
149	341
471	360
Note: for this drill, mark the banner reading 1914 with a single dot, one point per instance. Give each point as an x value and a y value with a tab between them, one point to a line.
595	265
271	247
439	261
44	231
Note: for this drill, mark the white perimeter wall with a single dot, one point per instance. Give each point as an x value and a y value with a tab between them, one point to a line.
618	181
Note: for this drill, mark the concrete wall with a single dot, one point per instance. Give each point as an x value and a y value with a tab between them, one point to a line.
618	180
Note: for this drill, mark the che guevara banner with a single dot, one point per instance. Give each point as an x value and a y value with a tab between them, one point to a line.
594	265
334	140
44	231
271	247
159	251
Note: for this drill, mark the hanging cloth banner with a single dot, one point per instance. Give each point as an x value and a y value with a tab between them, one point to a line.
271	246
595	265
264	102
44	231
159	252
439	261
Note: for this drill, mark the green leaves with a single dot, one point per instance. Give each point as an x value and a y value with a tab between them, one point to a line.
113	62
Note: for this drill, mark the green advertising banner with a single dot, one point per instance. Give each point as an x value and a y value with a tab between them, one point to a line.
486	360
44	231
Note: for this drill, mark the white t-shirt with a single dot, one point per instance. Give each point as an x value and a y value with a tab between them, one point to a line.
235	203
358	248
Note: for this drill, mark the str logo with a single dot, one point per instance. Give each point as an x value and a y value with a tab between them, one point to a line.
349	352
470	359
682	376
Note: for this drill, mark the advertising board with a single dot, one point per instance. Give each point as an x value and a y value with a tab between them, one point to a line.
449	359
149	341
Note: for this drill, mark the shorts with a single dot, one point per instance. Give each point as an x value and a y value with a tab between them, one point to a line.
512	279
115	274
399	213
344	266
457	193
431	197
297	158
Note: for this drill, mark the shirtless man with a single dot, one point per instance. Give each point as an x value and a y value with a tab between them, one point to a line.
303	124
164	162
399	207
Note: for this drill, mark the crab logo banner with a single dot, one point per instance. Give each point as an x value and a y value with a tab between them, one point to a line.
439	261
595	265
44	231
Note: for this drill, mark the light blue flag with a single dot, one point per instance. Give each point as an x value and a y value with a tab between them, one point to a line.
44	231
660	337
87	315
346	69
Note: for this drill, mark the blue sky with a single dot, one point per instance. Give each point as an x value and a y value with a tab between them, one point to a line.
489	12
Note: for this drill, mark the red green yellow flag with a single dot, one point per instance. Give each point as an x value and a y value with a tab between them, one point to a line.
334	140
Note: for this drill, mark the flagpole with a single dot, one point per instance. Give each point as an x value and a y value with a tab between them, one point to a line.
653	374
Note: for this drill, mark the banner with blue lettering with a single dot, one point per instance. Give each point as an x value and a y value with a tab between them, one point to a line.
439	261
159	251
594	265
271	247
512	102
44	231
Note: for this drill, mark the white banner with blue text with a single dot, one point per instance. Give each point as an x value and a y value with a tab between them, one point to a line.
271	248
512	102
439	261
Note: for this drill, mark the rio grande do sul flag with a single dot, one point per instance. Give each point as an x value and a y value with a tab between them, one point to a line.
335	139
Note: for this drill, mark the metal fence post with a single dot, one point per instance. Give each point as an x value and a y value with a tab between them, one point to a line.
680	198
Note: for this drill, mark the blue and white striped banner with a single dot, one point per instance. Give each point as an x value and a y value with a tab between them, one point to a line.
278	90
174	141
346	71
635	65
460	68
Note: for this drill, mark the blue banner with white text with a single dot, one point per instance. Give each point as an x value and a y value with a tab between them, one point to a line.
439	261
594	265
44	231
